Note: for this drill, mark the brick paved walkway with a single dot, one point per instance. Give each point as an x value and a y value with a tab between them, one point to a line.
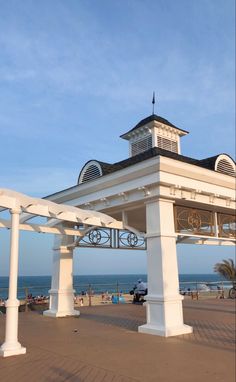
103	345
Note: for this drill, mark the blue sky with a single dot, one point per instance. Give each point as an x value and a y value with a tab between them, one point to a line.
75	74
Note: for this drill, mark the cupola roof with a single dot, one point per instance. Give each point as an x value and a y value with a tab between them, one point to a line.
152	118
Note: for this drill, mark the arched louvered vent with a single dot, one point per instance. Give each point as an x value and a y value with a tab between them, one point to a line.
141	145
167	144
91	170
225	167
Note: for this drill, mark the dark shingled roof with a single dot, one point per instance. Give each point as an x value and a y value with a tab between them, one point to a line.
108	168
151	118
208	163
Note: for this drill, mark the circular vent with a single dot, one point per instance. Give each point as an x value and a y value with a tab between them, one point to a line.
225	165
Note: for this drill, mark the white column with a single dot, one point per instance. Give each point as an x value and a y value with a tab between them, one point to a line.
163	302
11	346
62	292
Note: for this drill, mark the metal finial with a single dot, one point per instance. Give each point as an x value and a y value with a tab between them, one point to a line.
153	102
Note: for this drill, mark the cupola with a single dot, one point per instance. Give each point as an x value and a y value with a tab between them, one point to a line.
154	131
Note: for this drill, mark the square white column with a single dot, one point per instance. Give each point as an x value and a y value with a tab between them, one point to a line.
62	292
11	346
163	302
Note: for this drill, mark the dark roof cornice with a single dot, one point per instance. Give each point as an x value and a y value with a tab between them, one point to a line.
108	168
151	118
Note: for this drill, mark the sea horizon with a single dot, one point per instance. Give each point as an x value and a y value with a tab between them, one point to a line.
112	274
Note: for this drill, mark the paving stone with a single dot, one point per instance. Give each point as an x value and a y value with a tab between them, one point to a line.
107	348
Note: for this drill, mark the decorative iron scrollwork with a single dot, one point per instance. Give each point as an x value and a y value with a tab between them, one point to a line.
130	240
227	225
202	222
97	238
194	220
112	238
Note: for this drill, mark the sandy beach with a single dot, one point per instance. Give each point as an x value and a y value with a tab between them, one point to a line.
98	299
81	301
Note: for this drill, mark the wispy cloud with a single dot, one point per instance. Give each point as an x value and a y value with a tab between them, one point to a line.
75	74
70	55
96	64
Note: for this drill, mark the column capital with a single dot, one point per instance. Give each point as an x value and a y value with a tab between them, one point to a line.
15	210
159	199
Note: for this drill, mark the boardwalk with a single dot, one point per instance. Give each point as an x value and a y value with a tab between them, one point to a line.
103	345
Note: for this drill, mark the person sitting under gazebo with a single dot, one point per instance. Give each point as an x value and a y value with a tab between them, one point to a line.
139	290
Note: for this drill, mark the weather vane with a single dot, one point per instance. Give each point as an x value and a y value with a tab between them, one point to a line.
153	103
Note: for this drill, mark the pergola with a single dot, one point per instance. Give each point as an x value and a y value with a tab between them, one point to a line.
63	220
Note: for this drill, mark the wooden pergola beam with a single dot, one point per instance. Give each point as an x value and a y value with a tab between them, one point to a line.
40	228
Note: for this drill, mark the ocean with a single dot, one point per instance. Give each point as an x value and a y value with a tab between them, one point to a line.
39	285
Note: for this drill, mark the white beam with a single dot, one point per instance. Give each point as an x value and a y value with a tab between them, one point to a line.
40	207
198	241
25	217
42	228
201	239
83	233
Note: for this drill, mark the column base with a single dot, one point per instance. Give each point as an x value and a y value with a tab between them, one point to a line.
55	314
11	351
165	316
165	332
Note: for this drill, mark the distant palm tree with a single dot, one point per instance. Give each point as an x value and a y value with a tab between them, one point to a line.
227	269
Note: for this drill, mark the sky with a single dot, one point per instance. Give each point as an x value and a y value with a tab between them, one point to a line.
76	74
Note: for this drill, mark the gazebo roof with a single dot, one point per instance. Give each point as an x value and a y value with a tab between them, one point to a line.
108	168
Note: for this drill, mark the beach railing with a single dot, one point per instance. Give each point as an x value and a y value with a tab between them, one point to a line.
187	288
218	289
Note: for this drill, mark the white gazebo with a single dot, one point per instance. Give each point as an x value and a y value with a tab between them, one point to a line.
166	198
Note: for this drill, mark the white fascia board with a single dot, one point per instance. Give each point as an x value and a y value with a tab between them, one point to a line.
153	171
197	173
183	182
118	189
198	199
135	173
